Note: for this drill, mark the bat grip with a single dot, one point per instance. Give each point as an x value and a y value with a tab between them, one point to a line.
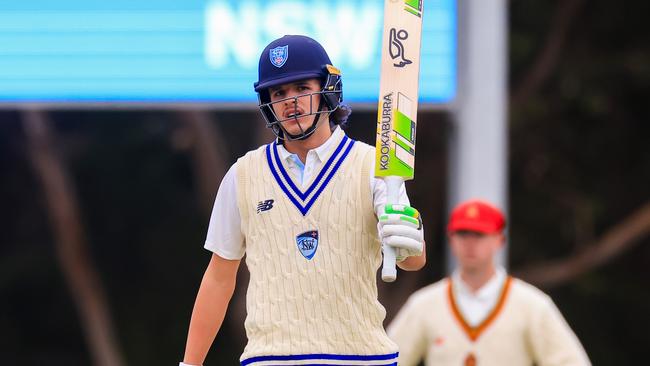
388	269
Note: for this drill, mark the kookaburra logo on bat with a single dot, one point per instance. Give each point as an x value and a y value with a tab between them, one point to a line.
396	47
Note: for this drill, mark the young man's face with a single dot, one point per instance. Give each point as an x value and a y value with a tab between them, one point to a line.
473	250
296	110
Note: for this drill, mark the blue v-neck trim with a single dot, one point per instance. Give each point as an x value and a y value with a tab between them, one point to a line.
297	197
318	178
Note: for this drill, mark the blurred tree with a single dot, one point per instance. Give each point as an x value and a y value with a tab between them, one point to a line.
622	235
631	231
580	165
79	271
205	143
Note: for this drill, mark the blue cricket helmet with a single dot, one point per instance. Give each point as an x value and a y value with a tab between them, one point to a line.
292	58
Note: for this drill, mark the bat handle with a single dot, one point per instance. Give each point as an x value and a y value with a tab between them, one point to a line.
389	270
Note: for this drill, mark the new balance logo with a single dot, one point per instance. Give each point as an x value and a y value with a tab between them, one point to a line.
264	206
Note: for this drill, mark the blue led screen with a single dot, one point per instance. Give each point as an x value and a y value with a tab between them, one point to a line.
160	51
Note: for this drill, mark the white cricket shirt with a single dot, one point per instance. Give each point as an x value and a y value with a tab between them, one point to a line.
475	306
225	237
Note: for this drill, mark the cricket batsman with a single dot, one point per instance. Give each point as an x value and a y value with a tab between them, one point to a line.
310	216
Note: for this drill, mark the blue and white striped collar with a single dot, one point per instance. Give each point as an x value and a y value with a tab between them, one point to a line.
304	200
322	152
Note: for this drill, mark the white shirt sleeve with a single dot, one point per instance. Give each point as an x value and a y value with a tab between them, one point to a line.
224	236
552	340
378	189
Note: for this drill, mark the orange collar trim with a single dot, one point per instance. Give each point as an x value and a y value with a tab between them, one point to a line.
474	332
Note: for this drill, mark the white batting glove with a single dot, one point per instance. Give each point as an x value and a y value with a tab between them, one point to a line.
186	364
401	228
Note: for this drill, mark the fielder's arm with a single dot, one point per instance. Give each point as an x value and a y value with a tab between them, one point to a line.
212	300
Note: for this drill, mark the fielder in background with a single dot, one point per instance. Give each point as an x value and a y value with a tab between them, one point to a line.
304	210
481	315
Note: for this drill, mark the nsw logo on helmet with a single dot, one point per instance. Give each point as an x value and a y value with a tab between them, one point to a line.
279	55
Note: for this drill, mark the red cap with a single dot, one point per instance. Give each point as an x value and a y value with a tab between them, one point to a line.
476	215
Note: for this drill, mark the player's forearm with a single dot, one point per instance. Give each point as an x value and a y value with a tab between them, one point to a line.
414	263
208	314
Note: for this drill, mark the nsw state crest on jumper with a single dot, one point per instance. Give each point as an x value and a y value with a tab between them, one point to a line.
307	243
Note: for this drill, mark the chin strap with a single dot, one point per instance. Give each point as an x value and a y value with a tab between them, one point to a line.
307	132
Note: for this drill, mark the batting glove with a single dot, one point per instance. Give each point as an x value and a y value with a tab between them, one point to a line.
401	228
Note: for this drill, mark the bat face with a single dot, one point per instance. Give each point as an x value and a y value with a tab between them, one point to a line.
398	90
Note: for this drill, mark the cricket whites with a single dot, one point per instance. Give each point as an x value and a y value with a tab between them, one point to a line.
398	104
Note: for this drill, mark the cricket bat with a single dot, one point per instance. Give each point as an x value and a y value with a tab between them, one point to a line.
398	104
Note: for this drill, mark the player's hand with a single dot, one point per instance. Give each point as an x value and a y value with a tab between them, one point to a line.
401	228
